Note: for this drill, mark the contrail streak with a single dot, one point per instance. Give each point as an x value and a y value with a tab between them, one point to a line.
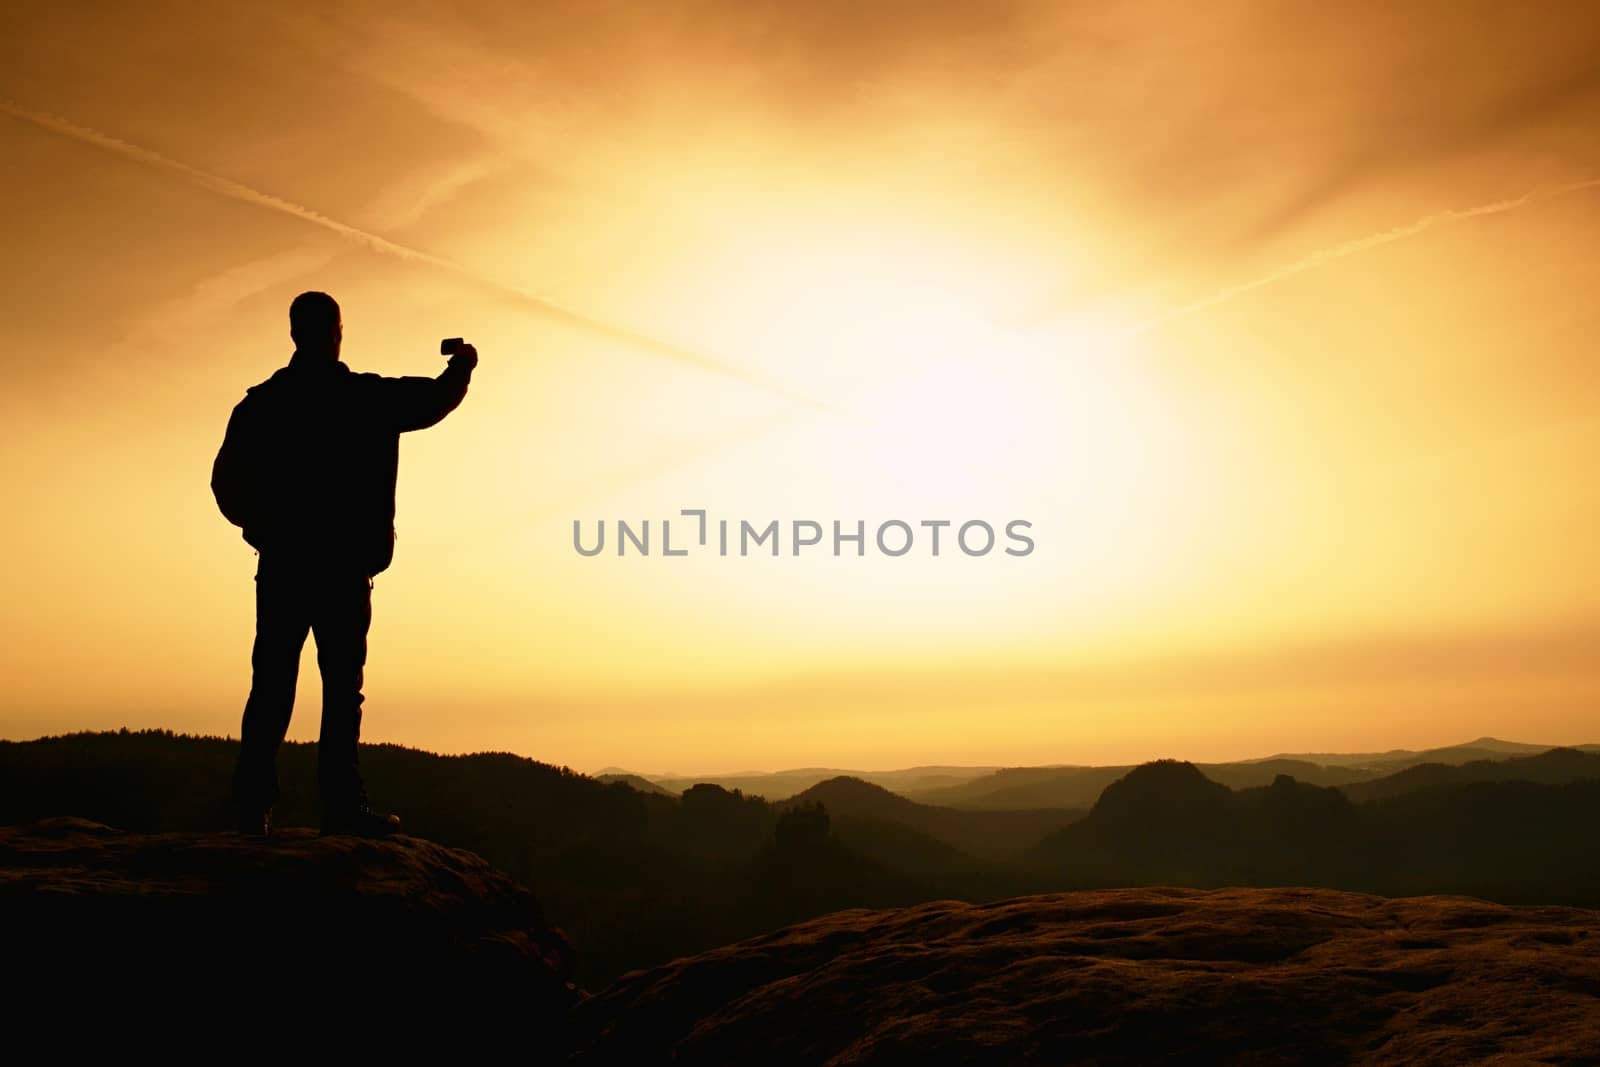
245	194
1364	244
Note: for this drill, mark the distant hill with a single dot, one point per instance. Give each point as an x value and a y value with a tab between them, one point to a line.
1555	767
1167	823
634	781
901	848
1265	772
1079	787
993	835
1027	787
637	877
781	785
1484	748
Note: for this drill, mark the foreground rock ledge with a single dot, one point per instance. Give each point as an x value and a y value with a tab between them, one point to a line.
1135	976
250	930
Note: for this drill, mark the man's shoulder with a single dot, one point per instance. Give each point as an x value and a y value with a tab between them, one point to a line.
292	379
255	396
275	381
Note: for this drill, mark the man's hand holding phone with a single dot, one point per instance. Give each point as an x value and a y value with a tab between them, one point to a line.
459	352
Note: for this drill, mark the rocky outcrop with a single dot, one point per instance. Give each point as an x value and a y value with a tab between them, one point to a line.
399	934
1126	976
223	944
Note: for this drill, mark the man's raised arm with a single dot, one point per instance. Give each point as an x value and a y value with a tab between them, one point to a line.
415	403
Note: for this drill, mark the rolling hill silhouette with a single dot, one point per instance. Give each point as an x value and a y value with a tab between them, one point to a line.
1490	748
781	785
638	878
635	877
633	781
1028	787
942	868
1554	767
1265	772
1167	823
1080	787
992	835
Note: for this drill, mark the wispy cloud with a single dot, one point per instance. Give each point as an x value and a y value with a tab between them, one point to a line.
1396	137
374	242
1331	254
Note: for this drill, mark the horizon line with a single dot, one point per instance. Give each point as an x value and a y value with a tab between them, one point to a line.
839	771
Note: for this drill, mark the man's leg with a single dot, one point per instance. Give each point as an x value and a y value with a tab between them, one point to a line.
341	619
281	626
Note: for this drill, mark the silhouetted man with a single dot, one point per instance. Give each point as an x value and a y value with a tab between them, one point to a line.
307	469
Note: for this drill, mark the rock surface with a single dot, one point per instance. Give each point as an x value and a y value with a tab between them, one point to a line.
1126	976
246	931
133	939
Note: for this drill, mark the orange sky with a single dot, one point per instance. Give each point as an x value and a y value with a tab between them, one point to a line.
1275	321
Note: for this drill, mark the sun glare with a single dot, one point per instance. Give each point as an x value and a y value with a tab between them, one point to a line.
942	408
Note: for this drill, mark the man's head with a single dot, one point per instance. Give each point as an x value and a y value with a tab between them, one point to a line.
315	325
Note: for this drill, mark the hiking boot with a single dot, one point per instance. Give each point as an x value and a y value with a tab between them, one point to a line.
360	821
253	822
